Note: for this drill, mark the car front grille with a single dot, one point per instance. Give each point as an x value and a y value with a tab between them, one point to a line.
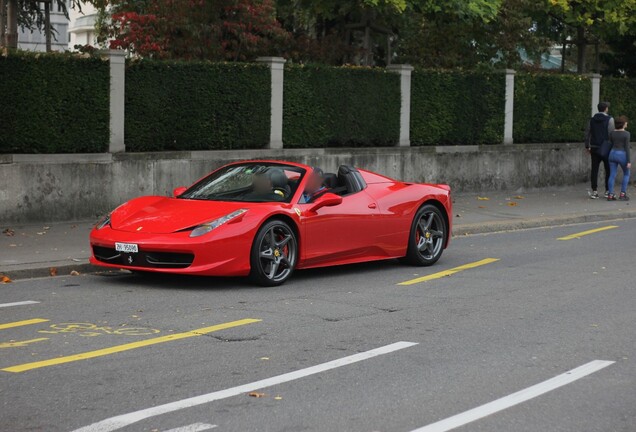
146	259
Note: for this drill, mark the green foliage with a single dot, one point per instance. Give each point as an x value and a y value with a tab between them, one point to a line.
345	106
621	93
196	105
53	104
551	108
453	107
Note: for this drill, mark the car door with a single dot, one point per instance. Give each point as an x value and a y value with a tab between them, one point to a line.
339	234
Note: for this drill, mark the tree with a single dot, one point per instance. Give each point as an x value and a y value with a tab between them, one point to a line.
449	39
590	21
194	29
29	15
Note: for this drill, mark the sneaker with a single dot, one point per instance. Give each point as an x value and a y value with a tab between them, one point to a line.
606	194
611	197
623	197
594	195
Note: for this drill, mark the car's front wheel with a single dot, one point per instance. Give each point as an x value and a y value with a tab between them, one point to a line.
427	237
274	254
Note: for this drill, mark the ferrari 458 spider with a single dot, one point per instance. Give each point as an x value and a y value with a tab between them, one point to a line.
267	218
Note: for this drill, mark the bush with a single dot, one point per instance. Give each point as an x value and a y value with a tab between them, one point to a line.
54	103
621	93
196	105
454	107
340	106
551	108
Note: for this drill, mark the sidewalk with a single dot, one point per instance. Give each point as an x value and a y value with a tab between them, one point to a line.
33	250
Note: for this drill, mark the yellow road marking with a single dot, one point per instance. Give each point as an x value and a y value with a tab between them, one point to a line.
584	233
16	344
22	323
128	346
450	271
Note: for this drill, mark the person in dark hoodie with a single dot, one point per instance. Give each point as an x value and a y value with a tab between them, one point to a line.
596	133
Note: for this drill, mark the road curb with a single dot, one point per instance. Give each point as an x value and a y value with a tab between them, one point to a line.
514	225
44	271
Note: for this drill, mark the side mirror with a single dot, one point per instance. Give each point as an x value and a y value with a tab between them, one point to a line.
178	191
327	200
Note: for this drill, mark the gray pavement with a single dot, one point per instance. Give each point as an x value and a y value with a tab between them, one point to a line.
546	307
33	250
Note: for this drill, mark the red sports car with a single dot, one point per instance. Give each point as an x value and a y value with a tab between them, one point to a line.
267	218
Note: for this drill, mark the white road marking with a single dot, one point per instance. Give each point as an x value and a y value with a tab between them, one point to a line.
121	421
515	398
194	427
22	303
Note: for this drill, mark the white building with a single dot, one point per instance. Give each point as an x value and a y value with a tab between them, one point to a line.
82	26
79	29
36	41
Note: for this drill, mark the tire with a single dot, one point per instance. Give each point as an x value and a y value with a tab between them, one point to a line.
427	237
274	254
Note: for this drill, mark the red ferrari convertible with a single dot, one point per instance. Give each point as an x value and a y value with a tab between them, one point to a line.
267	218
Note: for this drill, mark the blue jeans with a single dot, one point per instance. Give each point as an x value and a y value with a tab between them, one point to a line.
616	158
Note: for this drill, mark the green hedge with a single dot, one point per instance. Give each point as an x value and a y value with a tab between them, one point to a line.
454	107
53	104
621	93
340	106
196	106
551	108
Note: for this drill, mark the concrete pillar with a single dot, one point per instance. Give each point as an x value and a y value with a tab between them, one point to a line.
509	107
596	91
277	68
405	71
117	59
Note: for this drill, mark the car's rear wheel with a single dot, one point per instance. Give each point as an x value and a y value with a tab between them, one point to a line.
274	254
427	237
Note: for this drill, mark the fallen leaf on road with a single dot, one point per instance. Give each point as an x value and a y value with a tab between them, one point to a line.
483	198
8	232
74	273
5	279
512	204
482	207
53	271
256	394
519	197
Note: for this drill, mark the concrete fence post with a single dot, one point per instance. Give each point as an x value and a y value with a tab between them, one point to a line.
117	60
509	108
277	68
405	72
596	91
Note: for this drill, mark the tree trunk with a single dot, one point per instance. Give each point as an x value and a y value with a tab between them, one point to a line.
3	22
12	24
581	46
47	24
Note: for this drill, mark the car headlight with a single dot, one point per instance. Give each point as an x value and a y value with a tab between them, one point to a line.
207	227
103	222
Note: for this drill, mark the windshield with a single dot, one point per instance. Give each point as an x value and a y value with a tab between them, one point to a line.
251	182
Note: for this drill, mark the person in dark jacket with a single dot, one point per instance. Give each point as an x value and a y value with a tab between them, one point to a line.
597	132
619	155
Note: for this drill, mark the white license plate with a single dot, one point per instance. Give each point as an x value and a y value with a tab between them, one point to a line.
126	247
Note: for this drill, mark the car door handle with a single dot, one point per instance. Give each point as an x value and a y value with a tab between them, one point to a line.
372	206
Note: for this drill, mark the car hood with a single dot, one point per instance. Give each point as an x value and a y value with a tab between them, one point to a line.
162	215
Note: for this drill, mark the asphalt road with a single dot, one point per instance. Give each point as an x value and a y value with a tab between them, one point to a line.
101	350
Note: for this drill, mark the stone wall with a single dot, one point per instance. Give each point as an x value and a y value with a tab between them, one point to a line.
65	187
